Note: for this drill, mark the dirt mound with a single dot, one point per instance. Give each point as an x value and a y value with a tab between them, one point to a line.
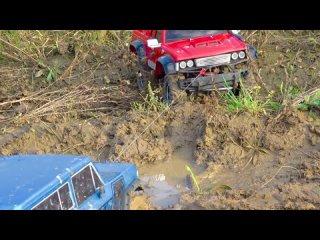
80	137
258	163
233	140
129	145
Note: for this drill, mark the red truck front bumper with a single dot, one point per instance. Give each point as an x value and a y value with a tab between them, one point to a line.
213	82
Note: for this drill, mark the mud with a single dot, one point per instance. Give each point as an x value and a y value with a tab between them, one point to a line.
240	161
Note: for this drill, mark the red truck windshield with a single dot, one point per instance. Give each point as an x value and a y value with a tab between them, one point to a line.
175	35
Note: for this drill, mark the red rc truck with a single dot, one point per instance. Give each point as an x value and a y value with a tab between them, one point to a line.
190	60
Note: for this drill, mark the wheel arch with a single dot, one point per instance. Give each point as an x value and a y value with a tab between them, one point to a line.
135	45
165	65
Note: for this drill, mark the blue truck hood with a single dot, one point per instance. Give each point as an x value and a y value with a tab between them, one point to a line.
24	177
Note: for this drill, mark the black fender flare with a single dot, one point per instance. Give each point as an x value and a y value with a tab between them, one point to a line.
137	47
165	65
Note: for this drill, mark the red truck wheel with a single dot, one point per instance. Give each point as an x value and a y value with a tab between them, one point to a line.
171	91
144	78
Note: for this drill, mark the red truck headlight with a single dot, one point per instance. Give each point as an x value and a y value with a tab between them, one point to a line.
183	64
190	63
242	54
234	56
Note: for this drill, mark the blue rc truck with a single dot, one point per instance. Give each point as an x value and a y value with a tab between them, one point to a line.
63	182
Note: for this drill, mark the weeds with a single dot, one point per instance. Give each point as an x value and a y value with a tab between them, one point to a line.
53	73
151	103
311	102
193	177
250	100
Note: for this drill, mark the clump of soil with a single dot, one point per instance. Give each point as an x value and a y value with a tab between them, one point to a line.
81	137
141	202
292	196
233	140
130	146
280	171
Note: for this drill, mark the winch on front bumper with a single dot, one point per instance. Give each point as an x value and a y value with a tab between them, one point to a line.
211	82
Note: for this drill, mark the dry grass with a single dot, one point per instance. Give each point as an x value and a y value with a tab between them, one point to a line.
80	99
25	65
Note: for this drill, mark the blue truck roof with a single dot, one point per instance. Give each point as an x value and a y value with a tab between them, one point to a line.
24	177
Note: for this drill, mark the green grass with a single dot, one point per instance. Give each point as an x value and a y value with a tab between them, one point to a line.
311	102
53	73
151	103
193	177
250	100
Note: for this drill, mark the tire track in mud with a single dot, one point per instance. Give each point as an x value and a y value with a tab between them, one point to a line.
167	146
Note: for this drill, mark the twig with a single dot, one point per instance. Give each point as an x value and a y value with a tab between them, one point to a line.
72	147
305	95
19	50
251	34
276	174
74	62
51	131
313	157
7	55
251	158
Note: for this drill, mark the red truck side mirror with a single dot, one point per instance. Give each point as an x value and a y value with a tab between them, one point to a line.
153	43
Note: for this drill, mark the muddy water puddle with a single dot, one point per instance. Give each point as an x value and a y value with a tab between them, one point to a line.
165	182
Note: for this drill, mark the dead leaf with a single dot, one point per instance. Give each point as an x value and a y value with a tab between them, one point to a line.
39	73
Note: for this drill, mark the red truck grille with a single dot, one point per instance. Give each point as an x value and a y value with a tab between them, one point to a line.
213	61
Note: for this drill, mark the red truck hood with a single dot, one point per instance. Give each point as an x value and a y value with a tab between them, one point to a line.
204	47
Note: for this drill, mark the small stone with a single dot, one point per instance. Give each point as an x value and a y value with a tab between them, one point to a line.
281	161
314	140
106	79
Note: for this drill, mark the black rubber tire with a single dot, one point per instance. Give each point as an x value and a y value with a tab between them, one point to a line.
142	85
171	91
143	81
237	91
145	74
